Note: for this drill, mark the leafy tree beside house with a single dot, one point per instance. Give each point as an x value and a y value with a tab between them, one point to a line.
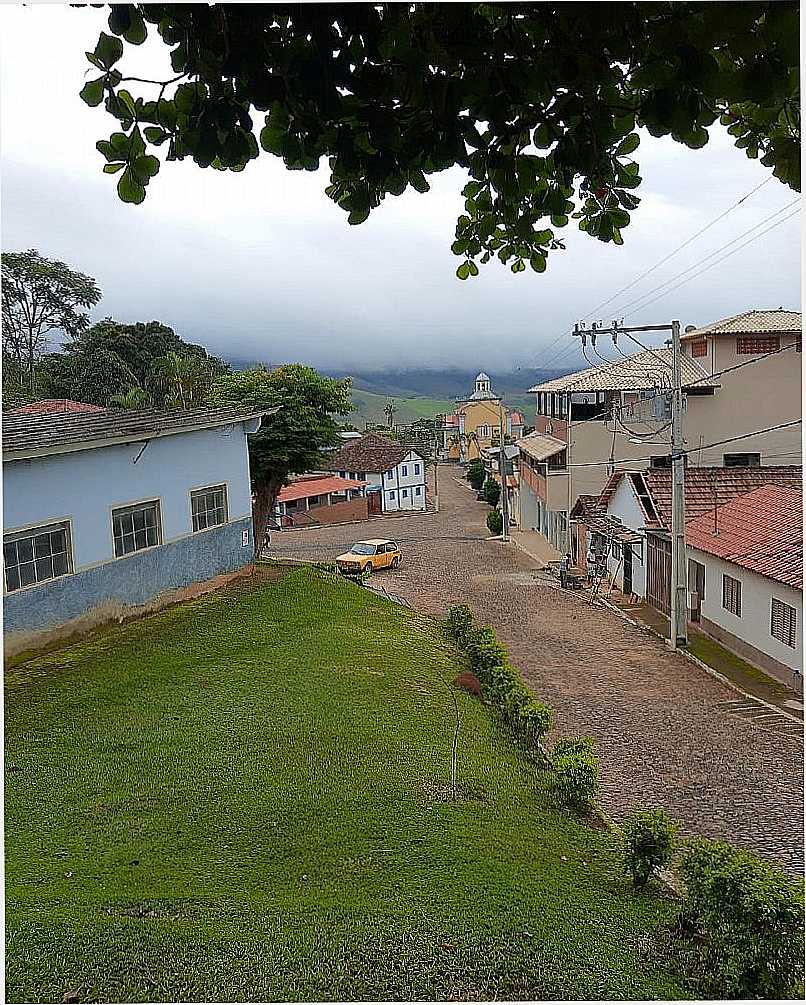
41	296
291	440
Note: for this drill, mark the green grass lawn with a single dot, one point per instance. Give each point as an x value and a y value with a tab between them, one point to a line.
369	407
245	798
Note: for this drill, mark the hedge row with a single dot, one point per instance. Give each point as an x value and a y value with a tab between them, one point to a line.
574	766
741	919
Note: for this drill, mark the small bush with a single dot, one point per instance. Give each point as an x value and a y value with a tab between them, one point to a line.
476	474
575	772
495	522
459	624
534	721
486	654
647	844
492	491
750	916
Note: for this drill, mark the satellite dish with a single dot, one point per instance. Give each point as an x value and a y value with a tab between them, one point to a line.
690	328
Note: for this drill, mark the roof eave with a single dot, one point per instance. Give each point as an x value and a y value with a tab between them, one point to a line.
51	450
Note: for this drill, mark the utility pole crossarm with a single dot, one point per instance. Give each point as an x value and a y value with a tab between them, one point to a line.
678	586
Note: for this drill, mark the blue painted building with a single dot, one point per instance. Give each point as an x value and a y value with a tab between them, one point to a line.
108	510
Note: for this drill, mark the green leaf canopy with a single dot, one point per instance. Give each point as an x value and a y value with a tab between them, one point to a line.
538	103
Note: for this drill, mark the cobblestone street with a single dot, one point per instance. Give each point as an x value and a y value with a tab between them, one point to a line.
665	731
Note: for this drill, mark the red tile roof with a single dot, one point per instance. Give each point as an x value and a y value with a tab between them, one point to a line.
761	531
48	405
706	487
317	487
373	453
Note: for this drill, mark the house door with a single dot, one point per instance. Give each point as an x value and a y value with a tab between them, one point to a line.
627	578
659	572
373	503
696	585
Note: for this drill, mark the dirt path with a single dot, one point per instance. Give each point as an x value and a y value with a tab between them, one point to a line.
666	732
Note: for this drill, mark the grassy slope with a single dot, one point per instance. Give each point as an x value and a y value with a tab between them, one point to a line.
369	407
235	800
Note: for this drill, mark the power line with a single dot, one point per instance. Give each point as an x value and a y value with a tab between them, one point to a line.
649	297
693	450
680	247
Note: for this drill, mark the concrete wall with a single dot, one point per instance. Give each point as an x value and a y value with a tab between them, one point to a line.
340	512
753	627
115	586
764	393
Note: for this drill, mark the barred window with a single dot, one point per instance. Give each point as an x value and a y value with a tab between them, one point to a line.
732	595
210	506
34	556
136	527
756	346
784	623
699	347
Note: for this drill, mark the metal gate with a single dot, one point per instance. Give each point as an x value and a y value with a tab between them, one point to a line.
659	572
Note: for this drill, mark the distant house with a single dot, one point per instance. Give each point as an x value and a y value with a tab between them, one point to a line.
318	499
394	473
746	578
741	375
105	511
630	520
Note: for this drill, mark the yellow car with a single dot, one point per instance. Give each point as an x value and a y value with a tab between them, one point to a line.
366	556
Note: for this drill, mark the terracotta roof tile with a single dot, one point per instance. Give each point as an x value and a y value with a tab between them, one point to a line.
708	486
540	446
752	323
308	487
372	452
641	372
761	531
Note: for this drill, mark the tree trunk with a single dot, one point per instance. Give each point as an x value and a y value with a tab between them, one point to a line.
265	497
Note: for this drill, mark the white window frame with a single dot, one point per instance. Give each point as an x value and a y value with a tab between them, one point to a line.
31	531
199	490
139	504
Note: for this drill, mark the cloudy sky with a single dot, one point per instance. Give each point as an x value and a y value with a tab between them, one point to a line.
261	264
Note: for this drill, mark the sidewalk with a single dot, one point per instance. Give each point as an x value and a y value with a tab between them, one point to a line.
702	648
535	546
